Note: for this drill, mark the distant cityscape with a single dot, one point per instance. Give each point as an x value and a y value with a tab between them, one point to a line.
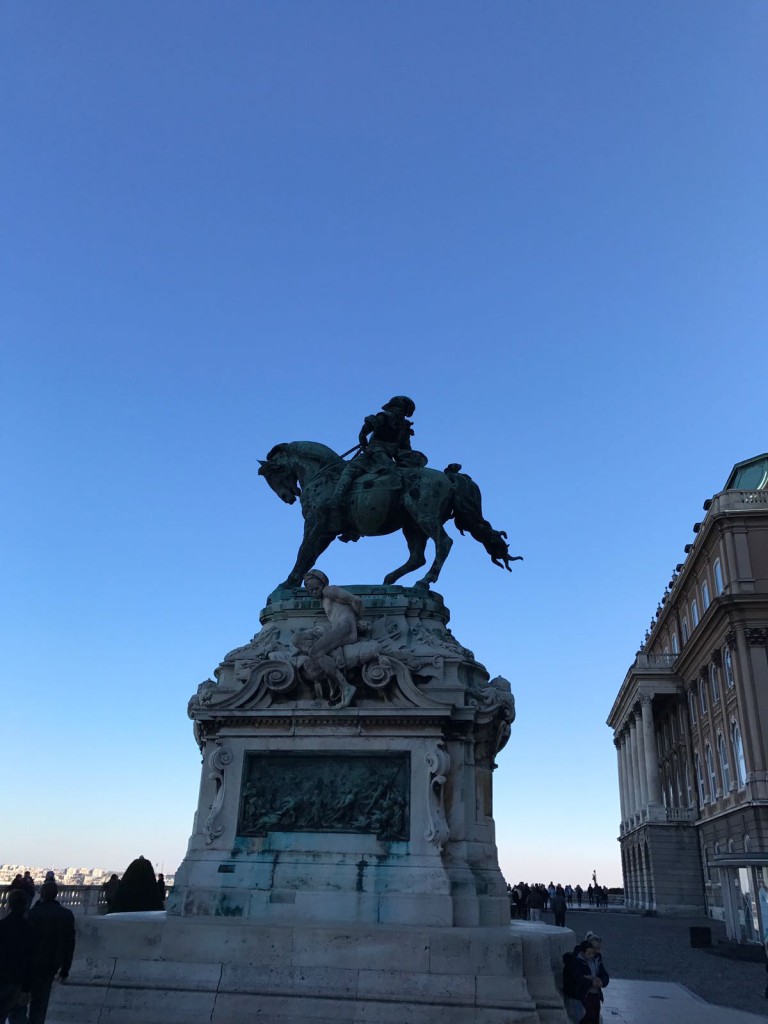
64	876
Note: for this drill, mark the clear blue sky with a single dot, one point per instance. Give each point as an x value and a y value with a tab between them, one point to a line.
226	225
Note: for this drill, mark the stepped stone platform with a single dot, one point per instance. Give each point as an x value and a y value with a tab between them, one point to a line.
154	969
342	864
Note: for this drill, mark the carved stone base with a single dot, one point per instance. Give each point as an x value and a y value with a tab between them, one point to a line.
142	967
379	811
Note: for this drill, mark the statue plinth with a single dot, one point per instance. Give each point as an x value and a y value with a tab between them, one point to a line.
375	809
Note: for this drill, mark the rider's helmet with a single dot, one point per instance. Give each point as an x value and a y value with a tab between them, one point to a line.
406	404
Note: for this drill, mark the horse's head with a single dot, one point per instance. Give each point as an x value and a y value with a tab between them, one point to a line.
280	474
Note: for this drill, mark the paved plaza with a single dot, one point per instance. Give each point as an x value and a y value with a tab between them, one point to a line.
656	952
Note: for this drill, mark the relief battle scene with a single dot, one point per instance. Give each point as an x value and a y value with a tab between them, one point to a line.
363	793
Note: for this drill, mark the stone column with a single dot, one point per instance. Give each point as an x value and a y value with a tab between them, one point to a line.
629	762
651	751
622	797
626	772
643	779
634	746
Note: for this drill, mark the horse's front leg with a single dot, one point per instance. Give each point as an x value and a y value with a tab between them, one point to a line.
316	540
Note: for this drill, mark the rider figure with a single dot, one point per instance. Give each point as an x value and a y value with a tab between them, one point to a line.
389	445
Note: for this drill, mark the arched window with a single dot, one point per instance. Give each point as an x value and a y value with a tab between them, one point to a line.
700	780
714	683
684	627
695	612
692	706
738	755
688	790
725	771
675	644
705	595
703	697
718	571
679	784
747	844
712	777
728	660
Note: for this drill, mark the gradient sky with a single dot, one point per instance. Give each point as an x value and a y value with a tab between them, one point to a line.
226	225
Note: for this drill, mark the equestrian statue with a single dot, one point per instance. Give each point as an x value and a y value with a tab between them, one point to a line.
386	486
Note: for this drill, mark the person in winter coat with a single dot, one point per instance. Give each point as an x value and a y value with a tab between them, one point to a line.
583	981
15	953
52	930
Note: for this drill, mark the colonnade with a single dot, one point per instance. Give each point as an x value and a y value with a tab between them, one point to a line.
639	780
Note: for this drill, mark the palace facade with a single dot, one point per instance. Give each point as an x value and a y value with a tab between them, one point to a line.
690	725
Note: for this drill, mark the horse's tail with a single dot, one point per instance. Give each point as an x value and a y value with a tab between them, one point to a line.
468	516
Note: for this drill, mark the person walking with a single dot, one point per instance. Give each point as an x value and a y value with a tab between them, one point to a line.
536	902
52	929
15	950
558	905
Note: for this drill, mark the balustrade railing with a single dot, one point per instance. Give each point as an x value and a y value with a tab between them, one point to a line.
80	899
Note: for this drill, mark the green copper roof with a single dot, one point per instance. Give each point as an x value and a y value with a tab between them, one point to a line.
751	475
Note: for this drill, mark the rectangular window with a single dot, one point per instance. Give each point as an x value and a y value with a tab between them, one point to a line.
703	697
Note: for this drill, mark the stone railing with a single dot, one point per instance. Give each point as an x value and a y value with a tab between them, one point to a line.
81	899
655	661
733	501
682	814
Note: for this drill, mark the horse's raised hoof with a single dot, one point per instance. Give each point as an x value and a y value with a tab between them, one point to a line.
421	585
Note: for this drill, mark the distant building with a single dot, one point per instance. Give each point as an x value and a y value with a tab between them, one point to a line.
691	725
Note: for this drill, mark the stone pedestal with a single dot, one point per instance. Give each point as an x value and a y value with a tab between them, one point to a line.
375	813
342	864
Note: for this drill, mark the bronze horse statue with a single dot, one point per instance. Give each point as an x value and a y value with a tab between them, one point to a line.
416	500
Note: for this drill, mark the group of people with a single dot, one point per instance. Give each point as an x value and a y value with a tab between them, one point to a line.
527	901
37	944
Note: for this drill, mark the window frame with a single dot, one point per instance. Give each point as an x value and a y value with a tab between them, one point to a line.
739	761
685	630
730	677
706	600
717	572
725	771
695	613
714	683
712	774
699	778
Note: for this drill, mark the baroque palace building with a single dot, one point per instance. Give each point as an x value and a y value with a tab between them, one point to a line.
691	725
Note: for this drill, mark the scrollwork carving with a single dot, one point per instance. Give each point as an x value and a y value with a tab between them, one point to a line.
221	757
277	675
438	762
